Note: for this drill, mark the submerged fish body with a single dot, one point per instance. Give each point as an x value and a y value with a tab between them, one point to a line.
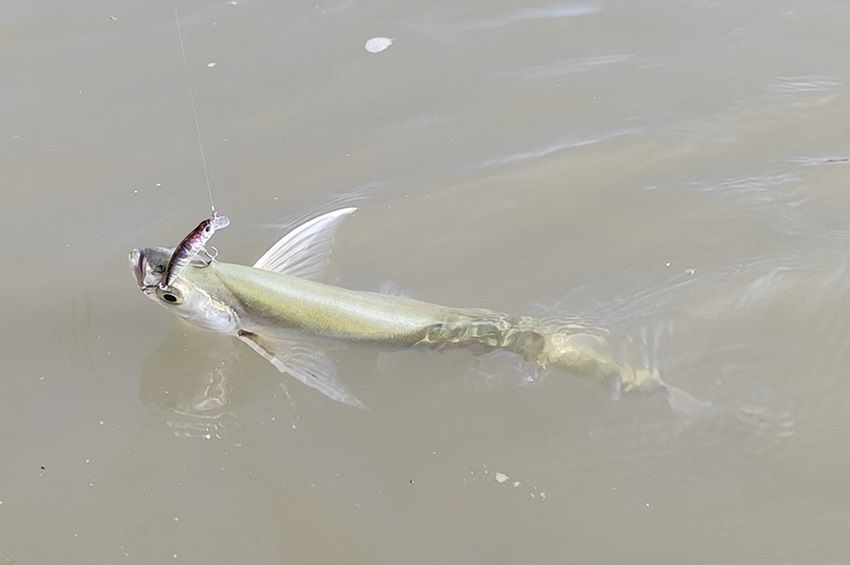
281	297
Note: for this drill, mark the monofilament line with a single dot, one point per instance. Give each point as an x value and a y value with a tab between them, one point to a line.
191	88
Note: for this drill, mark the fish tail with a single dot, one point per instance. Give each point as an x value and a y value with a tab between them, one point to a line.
578	352
574	350
587	354
545	344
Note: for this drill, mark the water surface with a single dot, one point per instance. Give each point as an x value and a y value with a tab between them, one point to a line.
674	173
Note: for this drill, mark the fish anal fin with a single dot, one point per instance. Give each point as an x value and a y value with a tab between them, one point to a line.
304	363
304	251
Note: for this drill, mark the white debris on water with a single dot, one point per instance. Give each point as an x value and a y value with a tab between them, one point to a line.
378	44
211	64
526	486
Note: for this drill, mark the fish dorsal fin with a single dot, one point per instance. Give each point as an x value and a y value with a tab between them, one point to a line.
303	252
307	364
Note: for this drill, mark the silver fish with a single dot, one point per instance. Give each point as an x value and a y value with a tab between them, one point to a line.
273	304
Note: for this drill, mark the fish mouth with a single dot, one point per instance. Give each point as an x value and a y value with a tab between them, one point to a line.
137	265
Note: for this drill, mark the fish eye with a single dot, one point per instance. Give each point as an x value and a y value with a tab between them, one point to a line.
159	269
170	295
208	229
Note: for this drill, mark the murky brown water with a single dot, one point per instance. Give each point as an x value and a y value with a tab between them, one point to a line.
674	172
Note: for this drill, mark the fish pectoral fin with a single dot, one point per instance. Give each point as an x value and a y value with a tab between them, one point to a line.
304	251
306	364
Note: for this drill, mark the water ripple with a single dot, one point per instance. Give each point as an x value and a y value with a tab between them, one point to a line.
560	69
200	426
557	11
746	183
554	147
812	161
803	83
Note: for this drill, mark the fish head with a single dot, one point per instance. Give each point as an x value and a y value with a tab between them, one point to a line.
149	266
193	295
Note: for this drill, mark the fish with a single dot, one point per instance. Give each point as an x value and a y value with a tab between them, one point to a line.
279	302
191	246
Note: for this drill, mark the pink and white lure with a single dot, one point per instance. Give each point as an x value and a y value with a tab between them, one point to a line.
191	245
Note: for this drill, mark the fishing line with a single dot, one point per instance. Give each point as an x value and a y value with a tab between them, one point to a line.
190	86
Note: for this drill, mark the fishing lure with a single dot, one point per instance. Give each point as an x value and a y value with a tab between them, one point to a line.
191	245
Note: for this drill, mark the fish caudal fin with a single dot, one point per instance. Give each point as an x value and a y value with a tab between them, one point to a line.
573	349
585	355
306	364
683	404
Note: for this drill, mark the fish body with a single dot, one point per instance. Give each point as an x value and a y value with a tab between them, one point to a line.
281	297
280	300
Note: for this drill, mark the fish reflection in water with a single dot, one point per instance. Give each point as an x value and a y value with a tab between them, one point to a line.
196	391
